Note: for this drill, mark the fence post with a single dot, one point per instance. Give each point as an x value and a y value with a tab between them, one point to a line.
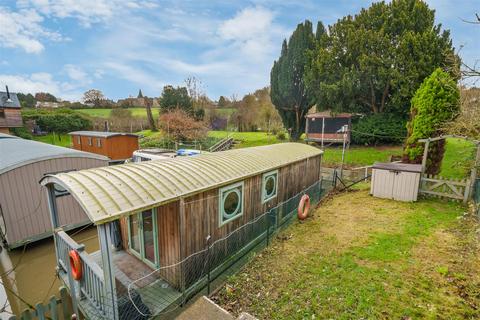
208	265
268	226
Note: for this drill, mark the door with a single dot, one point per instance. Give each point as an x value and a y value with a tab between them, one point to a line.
406	186
383	183
142	236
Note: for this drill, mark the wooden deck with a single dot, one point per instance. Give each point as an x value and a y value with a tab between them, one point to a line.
156	293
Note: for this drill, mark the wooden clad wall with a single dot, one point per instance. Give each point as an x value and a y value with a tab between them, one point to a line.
201	215
24	202
121	147
115	147
168	240
12	119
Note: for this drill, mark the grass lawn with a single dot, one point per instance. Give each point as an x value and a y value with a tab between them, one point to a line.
105	113
247	139
459	155
63	140
357	156
361	257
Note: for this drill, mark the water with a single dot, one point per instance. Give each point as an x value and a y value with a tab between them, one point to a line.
28	275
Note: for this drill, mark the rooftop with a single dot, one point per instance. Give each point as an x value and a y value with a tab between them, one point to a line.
5	103
101	134
329	114
109	192
16	152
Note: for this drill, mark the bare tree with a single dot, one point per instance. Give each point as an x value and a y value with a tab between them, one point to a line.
148	106
94	97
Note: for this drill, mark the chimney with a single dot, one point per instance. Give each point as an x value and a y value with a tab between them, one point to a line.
8	95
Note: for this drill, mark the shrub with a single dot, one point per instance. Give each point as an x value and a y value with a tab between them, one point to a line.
22	132
57	120
179	126
379	128
435	103
281	135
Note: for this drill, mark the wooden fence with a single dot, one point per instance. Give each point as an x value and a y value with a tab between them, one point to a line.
458	189
56	308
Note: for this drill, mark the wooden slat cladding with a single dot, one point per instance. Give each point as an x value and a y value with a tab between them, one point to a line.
169	242
12	118
202	213
116	147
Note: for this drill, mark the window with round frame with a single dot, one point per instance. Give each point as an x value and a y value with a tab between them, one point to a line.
269	185
230	203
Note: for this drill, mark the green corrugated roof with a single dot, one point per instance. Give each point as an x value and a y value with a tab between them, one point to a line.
107	193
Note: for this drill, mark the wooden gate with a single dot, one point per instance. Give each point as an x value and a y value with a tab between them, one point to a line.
445	188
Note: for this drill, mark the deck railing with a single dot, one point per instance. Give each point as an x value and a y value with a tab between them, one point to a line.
92	284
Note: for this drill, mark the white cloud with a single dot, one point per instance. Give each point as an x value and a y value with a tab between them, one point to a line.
23	29
77	74
40	82
87	12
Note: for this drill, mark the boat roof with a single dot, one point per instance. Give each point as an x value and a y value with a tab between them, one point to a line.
16	152
110	192
101	134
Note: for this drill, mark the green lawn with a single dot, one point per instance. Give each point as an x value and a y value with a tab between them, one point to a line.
459	155
357	156
247	139
63	140
105	113
361	257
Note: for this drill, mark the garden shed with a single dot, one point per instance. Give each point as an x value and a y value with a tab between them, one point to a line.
325	127
397	181
118	146
23	208
176	219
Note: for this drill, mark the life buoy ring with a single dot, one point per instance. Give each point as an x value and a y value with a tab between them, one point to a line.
75	264
303	207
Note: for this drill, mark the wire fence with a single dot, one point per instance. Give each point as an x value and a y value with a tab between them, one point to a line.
155	294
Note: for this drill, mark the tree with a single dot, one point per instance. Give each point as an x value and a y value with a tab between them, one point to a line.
468	121
45	97
180	126
26	100
374	61
223	102
148	106
435	103
175	98
94	97
288	91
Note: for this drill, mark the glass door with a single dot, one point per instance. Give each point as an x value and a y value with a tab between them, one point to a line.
143	237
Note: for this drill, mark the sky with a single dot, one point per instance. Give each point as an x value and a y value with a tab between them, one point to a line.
66	47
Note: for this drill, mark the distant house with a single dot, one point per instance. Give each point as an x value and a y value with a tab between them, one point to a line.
326	127
48	104
24	212
117	146
10	113
138	101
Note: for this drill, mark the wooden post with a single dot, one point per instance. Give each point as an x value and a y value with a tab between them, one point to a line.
52	205
425	155
473	172
323	129
110	293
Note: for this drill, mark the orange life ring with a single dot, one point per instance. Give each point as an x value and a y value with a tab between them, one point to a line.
303	207
75	264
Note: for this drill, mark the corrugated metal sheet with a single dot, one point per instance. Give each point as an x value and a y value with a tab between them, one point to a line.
23	202
106	193
19	152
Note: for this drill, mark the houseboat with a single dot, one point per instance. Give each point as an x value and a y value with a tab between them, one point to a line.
167	227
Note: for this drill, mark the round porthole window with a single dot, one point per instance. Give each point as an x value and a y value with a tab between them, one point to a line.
270	185
231	203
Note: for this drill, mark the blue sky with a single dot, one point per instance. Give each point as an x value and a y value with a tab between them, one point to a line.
119	46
